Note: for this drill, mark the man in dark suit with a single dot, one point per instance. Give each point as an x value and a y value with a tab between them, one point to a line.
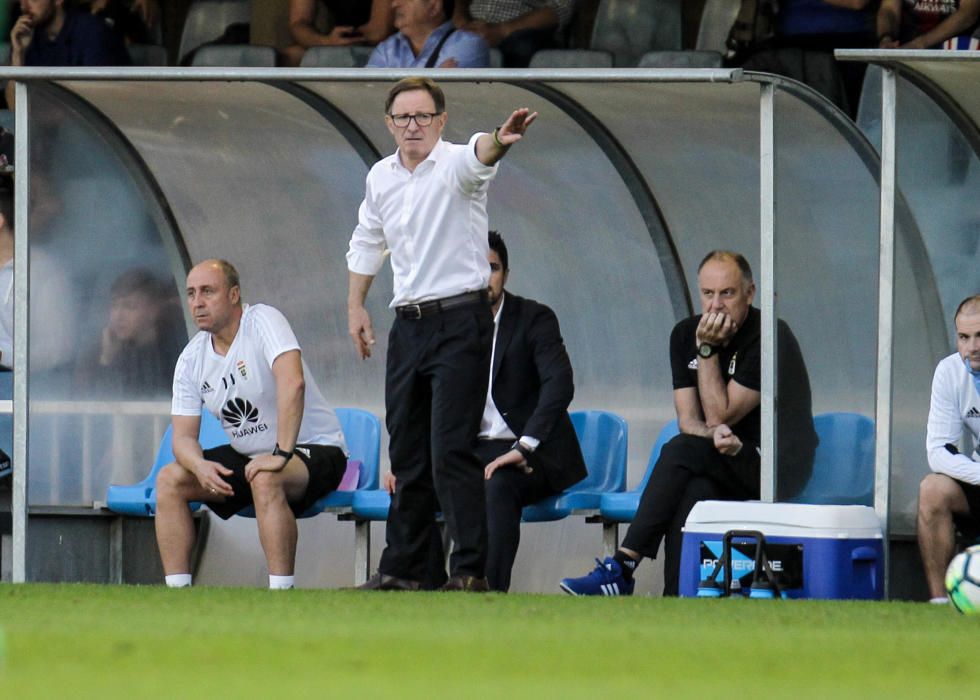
526	438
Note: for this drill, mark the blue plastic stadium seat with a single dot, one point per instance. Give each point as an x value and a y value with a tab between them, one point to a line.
371	504
621	507
362	430
140	499
603	437
843	468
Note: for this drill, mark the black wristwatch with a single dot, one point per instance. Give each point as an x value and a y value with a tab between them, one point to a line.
706	351
522	448
279	452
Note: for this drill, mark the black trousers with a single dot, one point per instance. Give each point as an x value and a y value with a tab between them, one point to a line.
507	492
435	389
689	470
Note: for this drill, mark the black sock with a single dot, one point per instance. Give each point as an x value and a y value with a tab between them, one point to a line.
626	563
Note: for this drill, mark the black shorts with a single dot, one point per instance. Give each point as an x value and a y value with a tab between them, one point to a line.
326	465
969	524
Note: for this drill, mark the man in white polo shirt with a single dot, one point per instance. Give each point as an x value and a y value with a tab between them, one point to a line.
287	448
949	496
427	205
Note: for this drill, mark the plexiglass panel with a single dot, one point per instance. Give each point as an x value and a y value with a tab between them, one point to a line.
827	295
106	324
256	176
272	178
957	78
939	177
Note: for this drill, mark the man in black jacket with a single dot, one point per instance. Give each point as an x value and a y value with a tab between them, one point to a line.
526	438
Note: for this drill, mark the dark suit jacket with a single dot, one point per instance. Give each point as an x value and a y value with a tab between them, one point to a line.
532	388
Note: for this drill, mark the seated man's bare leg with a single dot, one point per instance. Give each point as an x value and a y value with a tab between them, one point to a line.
176	487
272	492
940	497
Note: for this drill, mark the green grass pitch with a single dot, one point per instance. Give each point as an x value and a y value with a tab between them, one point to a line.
85	641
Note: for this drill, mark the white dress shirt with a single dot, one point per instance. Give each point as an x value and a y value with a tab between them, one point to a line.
492	424
433	219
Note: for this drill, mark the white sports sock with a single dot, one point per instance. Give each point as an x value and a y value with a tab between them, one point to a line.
178	580
280	583
939	600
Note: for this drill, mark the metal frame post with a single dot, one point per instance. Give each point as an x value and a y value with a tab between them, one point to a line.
886	302
767	296
21	346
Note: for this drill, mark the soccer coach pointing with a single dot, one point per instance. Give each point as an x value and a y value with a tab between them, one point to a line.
427	204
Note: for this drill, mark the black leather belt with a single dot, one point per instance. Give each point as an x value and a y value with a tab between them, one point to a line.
428	308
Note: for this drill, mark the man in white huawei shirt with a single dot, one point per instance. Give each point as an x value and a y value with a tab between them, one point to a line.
427	205
949	497
287	448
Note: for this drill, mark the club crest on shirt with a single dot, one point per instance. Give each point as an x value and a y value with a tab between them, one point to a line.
731	365
241	369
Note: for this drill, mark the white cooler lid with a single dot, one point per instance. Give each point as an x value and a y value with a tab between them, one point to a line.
784	519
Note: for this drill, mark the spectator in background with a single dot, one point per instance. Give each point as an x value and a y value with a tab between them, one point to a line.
52	316
427	38
518	28
139	345
48	34
131	19
925	24
351	23
802	48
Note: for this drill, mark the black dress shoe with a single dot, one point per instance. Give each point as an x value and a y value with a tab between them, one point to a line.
384	582
470	584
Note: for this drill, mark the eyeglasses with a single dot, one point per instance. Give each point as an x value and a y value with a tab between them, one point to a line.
422	119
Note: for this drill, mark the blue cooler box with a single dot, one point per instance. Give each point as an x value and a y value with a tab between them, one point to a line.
816	551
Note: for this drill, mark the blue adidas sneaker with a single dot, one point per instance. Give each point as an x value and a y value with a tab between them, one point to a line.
606	579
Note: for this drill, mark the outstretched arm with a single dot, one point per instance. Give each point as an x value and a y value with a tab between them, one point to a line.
490	148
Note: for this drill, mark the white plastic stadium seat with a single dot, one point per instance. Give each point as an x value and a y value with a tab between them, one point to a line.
208	19
680	59
336	56
571	58
236	55
630	28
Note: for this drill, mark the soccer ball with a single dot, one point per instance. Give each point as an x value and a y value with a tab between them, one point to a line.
963	580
